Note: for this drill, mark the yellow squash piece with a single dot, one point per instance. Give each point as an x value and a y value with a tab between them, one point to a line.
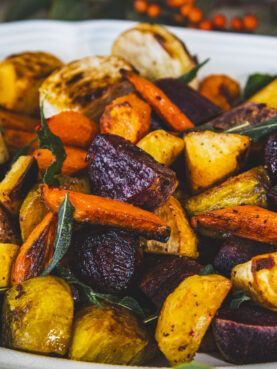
4	153
186	315
8	252
268	95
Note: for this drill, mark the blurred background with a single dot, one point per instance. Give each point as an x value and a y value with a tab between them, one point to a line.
247	16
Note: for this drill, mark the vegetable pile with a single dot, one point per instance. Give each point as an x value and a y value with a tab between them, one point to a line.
138	213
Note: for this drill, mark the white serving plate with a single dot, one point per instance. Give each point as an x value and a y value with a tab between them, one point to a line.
234	54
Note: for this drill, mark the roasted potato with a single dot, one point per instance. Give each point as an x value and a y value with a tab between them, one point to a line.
112	335
182	239
164	147
4	154
154	52
8	252
211	157
86	86
249	188
8	232
257	278
187	314
21	76
17	182
37	316
268	95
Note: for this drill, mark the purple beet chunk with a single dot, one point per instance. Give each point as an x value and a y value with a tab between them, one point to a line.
236	251
251	112
106	260
270	157
247	335
162	274
122	171
194	105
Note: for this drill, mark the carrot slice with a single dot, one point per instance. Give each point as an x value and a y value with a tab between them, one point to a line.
245	221
163	106
107	212
36	253
18	121
15	139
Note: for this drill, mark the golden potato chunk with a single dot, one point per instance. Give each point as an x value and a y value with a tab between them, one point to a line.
37	316
211	157
163	146
4	153
112	335
268	95
187	314
8	252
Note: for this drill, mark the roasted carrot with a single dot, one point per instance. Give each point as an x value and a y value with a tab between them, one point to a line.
37	251
128	117
15	139
245	221
104	211
74	129
74	163
163	106
18	121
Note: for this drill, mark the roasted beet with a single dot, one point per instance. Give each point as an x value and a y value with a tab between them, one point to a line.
162	274
270	157
236	251
106	260
122	171
247	335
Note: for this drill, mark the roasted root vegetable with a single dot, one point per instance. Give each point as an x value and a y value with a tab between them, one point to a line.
244	221
36	252
257	278
187	314
17	182
211	157
268	95
21	76
248	188
8	252
247	335
18	121
4	154
8	233
163	146
270	157
103	211
222	90
128	117
111	335
163	106
15	139
122	171
182	239
85	86
37	316
74	163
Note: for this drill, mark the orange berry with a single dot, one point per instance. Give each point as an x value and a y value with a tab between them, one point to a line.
219	20
195	15
154	10
175	3
140	6
250	22
236	24
206	25
185	9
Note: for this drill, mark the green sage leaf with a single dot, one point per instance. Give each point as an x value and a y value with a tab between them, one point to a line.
208	269
193	366
256	82
23	150
190	75
238	297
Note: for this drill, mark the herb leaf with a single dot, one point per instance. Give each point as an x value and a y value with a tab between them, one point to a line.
190	75
151	318
23	150
256	82
64	232
238	297
193	366
208	269
47	140
260	131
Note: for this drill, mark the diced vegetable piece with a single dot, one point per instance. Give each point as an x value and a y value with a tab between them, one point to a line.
268	95
74	129
164	147
270	157
15	139
8	233
128	117
248	188
244	221
221	90
247	335
122	171
74	163
4	154
182	239
163	106
187	314
10	120
37	316
211	157
20	82
163	273
103	211
17	183
257	278
112	335
8	252
36	252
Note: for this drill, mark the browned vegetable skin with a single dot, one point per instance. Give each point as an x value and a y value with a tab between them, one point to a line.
104	211
8	252
15	139
8	232
245	221
21	122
